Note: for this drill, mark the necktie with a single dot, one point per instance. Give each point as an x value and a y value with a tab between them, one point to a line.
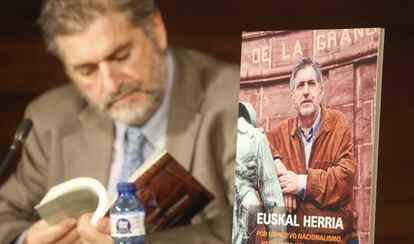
134	145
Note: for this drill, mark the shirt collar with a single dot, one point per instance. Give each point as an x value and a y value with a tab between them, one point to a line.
314	128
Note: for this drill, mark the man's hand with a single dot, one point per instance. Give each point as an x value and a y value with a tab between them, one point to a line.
289	182
288	179
290	202
100	234
280	168
60	233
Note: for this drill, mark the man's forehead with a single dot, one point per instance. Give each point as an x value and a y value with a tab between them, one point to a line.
306	73
99	39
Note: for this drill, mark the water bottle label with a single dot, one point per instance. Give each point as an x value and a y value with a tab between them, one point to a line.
128	225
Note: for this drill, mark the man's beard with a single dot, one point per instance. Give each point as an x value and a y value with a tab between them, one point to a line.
128	112
310	109
307	111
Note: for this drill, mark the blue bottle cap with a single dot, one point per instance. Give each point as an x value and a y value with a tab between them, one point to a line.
126	187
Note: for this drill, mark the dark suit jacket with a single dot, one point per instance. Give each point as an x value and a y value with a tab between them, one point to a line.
71	139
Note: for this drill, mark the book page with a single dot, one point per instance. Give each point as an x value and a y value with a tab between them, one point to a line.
73	198
72	204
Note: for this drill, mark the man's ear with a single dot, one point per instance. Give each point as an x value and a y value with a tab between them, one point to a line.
159	30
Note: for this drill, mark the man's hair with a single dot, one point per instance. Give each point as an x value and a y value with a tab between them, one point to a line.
64	17
303	63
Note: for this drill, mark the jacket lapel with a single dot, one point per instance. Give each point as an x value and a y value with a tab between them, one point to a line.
184	116
88	150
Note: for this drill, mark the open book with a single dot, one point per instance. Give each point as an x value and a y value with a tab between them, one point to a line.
170	194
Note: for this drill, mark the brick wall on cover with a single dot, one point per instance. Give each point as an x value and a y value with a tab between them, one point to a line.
349	62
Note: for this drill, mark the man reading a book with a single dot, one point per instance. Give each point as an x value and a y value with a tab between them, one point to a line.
130	89
313	152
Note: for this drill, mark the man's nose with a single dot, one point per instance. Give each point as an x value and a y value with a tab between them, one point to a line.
109	77
306	90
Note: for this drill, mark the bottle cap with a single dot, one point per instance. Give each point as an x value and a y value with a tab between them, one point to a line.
126	186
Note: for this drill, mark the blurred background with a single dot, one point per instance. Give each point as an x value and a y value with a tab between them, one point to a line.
215	26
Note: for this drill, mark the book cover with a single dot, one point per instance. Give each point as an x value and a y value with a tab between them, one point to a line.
311	98
170	194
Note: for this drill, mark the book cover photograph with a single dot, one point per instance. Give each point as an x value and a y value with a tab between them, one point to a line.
307	136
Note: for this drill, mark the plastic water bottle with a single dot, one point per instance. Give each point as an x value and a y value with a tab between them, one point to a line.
127	216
